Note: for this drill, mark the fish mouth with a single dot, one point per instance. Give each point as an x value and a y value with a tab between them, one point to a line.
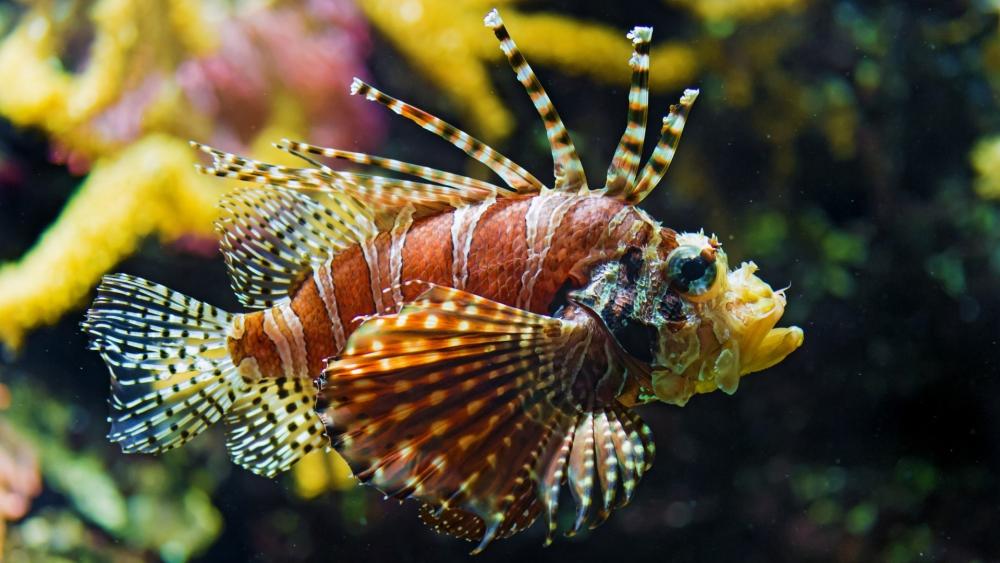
755	310
737	336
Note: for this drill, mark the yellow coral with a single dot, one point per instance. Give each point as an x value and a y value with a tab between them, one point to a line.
986	162
39	92
716	10
142	182
149	188
446	40
321	471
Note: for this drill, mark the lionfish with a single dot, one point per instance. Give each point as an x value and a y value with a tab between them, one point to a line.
472	346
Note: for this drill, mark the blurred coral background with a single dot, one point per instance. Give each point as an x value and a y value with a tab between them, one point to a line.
852	149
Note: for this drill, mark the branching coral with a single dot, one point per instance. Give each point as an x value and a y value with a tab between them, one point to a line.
446	41
149	188
716	10
158	74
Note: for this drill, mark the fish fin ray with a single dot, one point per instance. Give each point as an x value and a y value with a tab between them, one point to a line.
625	162
171	375
568	170
469	190
381	196
459	402
512	174
272	424
453	522
663	154
271	237
420	415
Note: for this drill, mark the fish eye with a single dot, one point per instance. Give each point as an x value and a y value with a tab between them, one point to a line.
694	272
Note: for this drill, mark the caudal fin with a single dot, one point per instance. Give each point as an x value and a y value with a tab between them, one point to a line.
172	377
171	374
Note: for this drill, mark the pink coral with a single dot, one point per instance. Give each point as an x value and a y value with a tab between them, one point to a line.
307	53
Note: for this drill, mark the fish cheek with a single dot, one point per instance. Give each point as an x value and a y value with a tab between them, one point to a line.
679	347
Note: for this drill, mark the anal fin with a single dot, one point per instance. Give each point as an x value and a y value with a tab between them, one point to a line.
273	424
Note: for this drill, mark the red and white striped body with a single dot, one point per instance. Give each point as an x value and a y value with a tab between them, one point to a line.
519	251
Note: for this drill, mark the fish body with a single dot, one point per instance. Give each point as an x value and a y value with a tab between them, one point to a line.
519	251
472	346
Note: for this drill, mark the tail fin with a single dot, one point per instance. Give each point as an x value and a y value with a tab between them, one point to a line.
171	374
172	377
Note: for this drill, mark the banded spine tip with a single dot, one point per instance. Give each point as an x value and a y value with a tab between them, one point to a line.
356	85
640	34
492	19
690	94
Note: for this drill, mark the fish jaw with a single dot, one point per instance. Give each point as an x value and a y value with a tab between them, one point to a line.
754	309
735	336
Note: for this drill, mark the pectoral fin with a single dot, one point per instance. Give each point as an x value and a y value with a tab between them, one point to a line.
465	404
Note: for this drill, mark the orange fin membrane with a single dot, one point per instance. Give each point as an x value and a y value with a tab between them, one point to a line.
464	404
568	170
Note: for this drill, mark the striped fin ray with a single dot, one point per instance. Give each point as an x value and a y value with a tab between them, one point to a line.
449	401
601	457
381	195
625	162
663	155
171	376
523	510
273	424
273	237
229	165
464	404
513	174
475	189
569	174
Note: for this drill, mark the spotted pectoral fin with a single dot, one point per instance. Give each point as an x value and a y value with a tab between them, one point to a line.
465	404
273	423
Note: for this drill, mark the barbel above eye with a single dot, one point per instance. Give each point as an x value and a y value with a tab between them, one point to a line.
695	272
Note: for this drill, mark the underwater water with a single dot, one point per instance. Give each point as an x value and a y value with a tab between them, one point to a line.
850	149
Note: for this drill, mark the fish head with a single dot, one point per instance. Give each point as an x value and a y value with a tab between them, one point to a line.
727	327
685	319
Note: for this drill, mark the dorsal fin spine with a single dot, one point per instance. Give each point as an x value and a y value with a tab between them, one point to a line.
663	155
625	162
568	170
